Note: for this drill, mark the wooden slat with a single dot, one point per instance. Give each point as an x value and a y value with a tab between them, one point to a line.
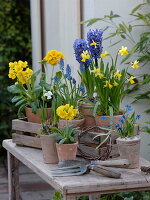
25	140
22	125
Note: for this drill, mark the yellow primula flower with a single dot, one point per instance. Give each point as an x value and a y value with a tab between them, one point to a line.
123	51
22	64
135	64
107	84
53	57
131	79
66	112
115	83
117	74
104	55
94	44
85	56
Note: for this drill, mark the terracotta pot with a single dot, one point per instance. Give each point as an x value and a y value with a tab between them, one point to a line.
75	122
48	143
87	111
67	151
130	149
106	122
35	118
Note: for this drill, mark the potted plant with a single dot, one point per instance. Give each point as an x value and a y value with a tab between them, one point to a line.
128	143
87	54
111	87
48	143
69	92
66	138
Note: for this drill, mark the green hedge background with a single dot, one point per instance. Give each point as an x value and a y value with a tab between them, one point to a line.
15	44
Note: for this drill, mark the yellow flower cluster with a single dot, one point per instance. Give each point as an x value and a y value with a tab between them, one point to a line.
85	56
66	112
16	70
53	57
107	84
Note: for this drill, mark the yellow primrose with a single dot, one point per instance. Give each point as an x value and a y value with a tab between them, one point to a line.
94	44
115	83
117	74
123	51
131	79
53	57
85	56
104	55
135	64
107	84
66	112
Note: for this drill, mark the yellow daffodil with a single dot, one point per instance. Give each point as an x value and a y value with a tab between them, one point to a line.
115	83
107	84
101	75
104	55
96	71
94	44
123	51
117	74
85	56
131	79
66	112
53	57
135	64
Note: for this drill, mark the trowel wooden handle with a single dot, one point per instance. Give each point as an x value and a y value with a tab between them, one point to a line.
106	171
122	163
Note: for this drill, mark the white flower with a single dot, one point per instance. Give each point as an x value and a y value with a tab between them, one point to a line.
48	94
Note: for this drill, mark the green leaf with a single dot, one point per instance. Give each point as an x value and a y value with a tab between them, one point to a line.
16	98
137	7
91	21
22	101
13	89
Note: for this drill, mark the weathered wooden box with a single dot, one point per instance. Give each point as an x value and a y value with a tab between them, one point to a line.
27	133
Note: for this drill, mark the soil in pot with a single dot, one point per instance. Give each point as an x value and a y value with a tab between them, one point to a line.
49	151
67	151
35	118
87	111
129	148
75	122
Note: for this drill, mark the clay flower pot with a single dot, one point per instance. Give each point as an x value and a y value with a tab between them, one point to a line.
48	143
129	148
104	121
67	151
87	111
35	118
75	122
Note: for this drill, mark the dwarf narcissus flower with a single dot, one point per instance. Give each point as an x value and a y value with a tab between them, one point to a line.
135	64
123	51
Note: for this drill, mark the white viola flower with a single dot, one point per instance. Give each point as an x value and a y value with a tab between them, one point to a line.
48	95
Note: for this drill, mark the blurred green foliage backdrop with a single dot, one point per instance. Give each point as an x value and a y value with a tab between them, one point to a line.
15	44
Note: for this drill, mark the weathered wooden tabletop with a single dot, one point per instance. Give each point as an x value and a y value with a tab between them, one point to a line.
131	179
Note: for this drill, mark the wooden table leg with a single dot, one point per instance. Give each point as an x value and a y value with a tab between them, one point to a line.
13	177
94	197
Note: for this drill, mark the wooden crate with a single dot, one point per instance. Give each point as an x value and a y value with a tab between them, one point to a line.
27	133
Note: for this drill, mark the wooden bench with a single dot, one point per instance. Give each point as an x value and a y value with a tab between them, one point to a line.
70	187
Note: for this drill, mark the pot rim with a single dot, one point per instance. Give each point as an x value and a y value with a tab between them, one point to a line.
67	144
129	139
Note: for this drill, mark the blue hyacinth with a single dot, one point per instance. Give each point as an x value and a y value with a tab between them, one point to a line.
79	46
61	64
138	117
82	68
122	120
73	81
68	70
56	79
94	38
81	88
